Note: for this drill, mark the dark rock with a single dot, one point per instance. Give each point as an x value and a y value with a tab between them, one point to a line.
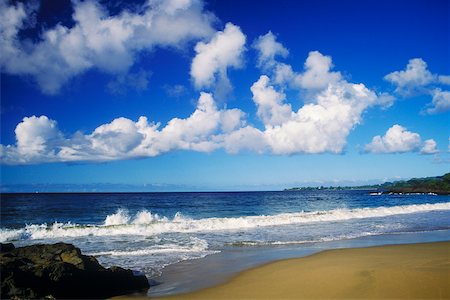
6	247
61	271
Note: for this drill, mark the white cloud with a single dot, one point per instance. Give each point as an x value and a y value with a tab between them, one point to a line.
39	140
415	75
271	109
444	79
268	48
247	138
97	40
385	100
283	74
334	106
36	136
416	79
317	73
429	147
212	59
116	138
322	126
440	102
396	140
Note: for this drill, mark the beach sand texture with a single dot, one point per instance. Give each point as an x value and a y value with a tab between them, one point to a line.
384	272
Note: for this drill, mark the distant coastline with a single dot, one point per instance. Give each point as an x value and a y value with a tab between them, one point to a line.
439	185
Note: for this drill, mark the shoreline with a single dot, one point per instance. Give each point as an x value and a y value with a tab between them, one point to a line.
216	269
392	271
401	261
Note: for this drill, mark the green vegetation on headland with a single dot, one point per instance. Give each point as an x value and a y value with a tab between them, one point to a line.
438	185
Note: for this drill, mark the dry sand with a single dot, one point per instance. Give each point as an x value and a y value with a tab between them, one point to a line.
384	272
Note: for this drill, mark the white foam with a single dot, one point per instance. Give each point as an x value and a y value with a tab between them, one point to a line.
195	245
144	223
119	218
298	242
376	194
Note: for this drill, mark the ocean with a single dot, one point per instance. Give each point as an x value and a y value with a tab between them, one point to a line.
152	232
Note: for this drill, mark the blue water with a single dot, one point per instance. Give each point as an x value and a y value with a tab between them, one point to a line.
150	231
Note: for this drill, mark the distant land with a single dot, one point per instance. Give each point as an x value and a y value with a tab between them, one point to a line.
439	185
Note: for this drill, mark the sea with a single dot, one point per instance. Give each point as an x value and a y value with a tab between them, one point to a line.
156	233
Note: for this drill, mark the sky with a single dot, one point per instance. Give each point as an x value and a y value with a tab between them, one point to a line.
191	95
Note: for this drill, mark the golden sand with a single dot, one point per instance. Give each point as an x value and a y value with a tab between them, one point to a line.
385	272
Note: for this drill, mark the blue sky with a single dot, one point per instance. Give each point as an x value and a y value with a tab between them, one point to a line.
234	94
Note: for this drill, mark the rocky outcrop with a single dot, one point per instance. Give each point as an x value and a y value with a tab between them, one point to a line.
61	271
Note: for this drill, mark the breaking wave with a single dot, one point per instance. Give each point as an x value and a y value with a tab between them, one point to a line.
146	223
194	245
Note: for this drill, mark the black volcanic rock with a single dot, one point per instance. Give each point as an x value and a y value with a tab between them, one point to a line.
60	270
6	247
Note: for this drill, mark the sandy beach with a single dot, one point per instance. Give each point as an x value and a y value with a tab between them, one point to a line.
398	271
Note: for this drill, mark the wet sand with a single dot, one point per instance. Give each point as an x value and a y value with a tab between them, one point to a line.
382	272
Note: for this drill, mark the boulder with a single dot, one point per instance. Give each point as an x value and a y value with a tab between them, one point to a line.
6	247
61	271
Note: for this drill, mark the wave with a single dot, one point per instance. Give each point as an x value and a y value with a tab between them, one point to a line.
194	245
145	223
121	217
258	243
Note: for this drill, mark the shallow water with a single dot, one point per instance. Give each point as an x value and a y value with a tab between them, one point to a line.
193	275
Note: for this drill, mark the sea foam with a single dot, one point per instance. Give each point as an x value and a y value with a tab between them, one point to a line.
145	223
194	245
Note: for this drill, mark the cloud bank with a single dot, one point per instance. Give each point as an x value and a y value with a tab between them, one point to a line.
320	125
96	40
39	139
332	105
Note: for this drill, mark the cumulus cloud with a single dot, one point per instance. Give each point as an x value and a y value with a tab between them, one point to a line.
324	124
212	59
271	109
320	126
415	75
97	40
416	79
333	106
385	100
318	74
39	139
440	102
247	138
268	48
396	140
429	147
399	140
